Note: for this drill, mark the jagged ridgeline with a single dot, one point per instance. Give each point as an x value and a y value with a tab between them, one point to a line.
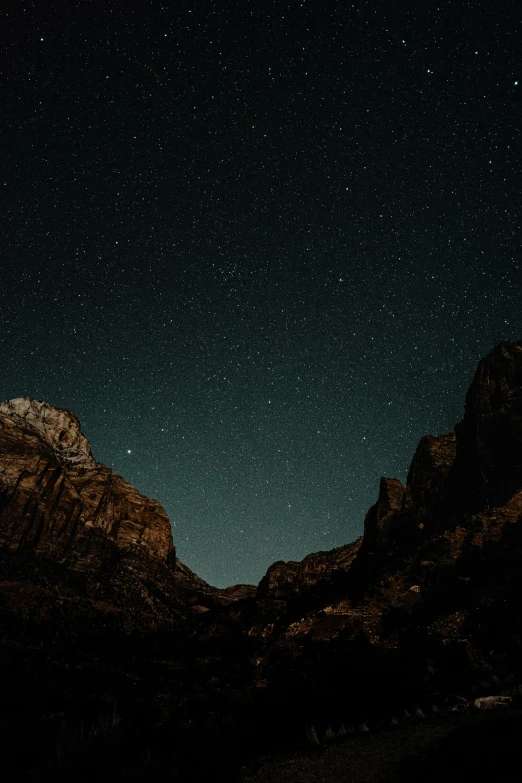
118	661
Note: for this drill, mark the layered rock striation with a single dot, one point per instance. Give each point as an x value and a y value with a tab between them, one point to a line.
69	522
57	501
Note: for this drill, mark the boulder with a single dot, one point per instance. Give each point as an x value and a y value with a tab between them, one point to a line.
492	702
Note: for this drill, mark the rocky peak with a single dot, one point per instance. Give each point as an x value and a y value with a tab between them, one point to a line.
279	580
391	496
56	501
286	578
497	385
379	517
489	438
57	427
429	469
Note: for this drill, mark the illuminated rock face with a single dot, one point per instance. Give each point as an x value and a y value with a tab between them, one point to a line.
57	428
57	501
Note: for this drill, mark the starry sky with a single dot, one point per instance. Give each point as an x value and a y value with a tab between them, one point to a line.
258	247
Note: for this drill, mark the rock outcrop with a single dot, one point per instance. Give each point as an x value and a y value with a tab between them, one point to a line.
60	508
77	541
58	502
431	585
290	578
379	518
429	471
199	593
488	463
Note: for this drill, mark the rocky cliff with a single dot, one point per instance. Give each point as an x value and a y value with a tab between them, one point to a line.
285	579
73	530
488	465
432	584
57	501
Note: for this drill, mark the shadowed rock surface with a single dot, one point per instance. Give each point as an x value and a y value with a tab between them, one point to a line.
286	578
489	438
429	470
379	517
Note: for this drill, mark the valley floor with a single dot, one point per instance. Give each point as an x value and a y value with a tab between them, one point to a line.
477	746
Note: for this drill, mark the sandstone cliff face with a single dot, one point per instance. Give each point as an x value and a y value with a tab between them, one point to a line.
398	509
59	429
435	577
57	501
77	542
489	438
379	517
429	470
59	508
287	578
199	593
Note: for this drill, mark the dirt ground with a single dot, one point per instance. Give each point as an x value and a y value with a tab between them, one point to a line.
477	746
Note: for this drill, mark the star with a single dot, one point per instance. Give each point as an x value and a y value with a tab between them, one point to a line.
223	303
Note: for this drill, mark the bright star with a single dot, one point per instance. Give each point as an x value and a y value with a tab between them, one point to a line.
129	451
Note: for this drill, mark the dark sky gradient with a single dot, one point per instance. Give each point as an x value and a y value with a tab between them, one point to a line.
258	247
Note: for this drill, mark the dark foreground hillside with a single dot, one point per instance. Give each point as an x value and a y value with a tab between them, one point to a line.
118	663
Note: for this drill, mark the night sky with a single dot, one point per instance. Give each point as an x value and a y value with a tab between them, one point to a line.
258	247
